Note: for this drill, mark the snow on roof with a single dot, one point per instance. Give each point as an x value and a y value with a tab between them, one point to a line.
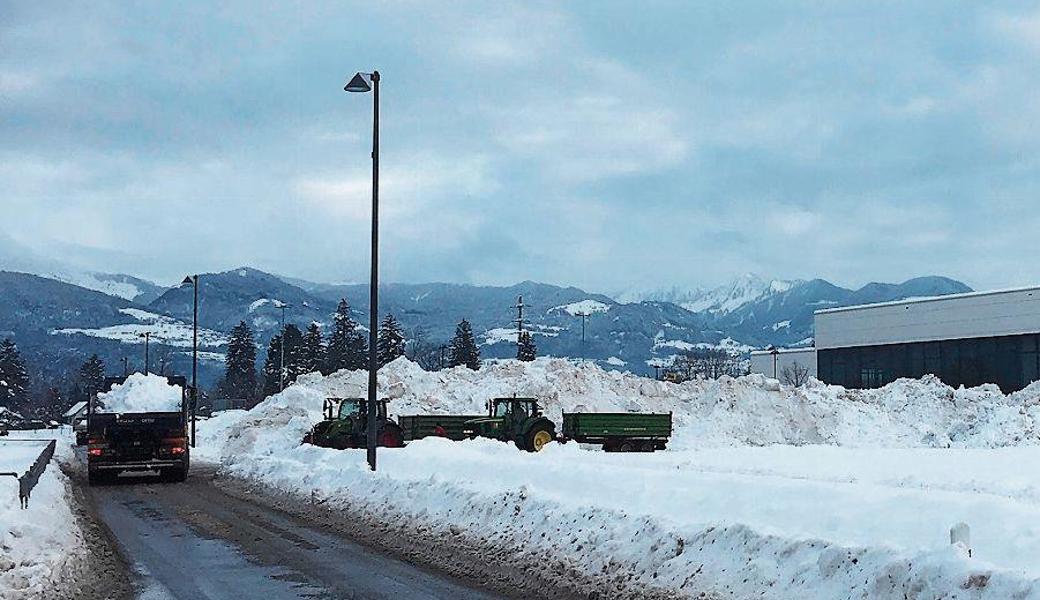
918	300
783	351
75	409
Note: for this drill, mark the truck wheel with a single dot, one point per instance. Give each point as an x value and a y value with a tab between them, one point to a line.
538	437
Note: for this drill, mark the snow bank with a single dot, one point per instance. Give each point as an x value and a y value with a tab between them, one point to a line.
723	511
141	393
39	545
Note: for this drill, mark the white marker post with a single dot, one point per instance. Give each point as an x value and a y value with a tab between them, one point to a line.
961	534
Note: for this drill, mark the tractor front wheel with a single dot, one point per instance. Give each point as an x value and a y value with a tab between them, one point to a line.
538	437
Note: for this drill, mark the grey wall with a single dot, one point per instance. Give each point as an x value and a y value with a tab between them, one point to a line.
762	362
985	314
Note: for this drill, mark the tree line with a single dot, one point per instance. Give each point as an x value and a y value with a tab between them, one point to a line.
309	351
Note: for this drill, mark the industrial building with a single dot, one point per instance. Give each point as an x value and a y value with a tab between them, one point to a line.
965	339
789	365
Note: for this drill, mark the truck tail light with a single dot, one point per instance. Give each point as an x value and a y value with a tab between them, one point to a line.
175	445
95	451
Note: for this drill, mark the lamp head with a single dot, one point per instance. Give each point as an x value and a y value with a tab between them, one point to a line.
359	83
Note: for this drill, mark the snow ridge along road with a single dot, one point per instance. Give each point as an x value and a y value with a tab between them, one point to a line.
713	515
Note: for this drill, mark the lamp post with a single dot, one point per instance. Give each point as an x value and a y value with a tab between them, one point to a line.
126	366
146	335
776	353
362	83
193	281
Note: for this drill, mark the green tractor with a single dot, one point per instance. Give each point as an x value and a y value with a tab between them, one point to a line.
346	425
517	420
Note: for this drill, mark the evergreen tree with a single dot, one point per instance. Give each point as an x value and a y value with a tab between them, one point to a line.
347	345
463	349
294	363
525	348
390	344
14	379
240	365
312	353
92	376
271	367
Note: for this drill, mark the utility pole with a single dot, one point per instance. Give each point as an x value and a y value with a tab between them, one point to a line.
281	346
126	366
583	315
519	322
443	348
146	335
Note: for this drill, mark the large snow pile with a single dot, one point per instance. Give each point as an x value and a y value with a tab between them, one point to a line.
141	393
40	547
752	410
723	511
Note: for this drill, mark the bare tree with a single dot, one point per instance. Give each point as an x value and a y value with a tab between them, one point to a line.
706	363
795	375
421	351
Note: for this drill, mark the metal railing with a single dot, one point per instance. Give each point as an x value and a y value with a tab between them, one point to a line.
28	480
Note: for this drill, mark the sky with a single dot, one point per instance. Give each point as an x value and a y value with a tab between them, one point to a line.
609	145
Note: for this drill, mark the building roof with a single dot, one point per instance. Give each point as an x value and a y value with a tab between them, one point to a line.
928	299
785	350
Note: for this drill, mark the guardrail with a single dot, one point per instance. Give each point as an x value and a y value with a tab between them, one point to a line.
28	480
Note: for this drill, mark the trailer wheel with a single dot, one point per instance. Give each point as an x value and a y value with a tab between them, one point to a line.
538	437
648	446
627	446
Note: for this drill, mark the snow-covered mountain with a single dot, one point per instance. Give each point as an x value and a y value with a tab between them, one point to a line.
717	301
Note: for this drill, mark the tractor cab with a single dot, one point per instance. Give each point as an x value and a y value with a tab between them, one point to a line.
518	420
346	425
342	409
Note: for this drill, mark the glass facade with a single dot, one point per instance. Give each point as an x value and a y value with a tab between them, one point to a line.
1008	361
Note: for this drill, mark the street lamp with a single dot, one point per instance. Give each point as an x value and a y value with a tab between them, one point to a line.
361	83
146	335
193	281
775	352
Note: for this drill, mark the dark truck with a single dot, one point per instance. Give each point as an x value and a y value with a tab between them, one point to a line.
416	427
150	441
619	432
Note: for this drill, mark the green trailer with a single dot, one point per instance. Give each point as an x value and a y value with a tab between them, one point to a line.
416	427
619	432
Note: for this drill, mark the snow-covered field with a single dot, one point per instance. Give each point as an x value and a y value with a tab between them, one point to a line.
766	492
38	543
162	329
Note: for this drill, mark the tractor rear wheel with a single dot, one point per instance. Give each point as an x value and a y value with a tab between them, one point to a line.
391	437
538	437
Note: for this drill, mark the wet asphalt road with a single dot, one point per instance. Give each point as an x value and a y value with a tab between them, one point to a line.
191	541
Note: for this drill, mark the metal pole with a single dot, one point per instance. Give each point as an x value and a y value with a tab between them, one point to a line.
126	366
519	322
583	315
194	359
374	283
147	334
281	359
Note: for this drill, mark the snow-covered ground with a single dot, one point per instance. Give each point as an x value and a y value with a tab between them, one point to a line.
766	492
38	543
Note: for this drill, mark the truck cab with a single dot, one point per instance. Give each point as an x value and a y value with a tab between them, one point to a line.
517	420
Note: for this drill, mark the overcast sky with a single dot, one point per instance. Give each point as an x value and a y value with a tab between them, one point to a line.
607	145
